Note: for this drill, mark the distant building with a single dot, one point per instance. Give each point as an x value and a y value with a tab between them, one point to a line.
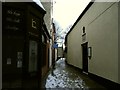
54	43
51	54
48	24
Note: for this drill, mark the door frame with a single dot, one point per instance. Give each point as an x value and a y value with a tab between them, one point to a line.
84	47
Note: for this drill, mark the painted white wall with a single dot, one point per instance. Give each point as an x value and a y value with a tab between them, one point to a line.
55	54
102	35
48	22
101	22
74	56
119	45
50	54
0	45
48	17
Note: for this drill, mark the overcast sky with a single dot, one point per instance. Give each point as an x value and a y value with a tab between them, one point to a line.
67	11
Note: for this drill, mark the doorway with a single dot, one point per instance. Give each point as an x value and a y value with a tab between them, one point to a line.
85	57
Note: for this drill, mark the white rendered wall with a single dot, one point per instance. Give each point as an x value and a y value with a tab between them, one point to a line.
119	44
101	23
55	54
50	54
102	36
0	45
48	17
74	56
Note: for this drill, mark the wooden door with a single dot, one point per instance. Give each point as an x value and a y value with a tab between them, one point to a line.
85	56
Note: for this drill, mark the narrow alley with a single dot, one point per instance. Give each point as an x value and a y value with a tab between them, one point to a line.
38	53
66	76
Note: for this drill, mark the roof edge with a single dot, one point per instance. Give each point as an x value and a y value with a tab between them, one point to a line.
38	2
81	15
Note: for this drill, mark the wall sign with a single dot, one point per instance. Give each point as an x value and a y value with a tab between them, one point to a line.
89	52
83	34
13	12
55	45
13	19
19	64
33	56
33	34
19	59
16	20
43	39
8	60
34	24
12	28
84	37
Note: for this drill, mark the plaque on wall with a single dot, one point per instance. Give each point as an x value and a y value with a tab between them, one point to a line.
33	56
19	59
84	37
8	60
